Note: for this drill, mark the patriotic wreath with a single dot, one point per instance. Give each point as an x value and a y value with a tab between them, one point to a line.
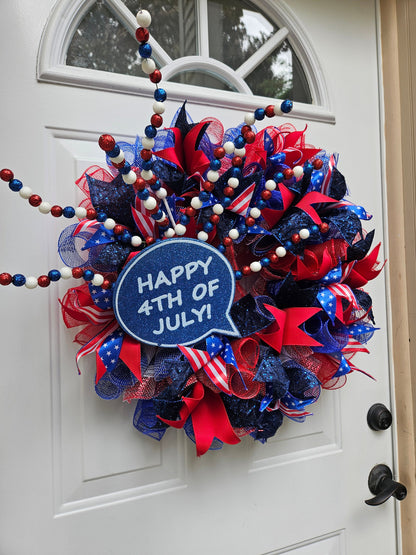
224	273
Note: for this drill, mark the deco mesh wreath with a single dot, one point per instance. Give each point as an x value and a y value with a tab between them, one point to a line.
223	273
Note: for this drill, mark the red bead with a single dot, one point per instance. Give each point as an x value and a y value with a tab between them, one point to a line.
35	200
43	281
149	240
245	270
273	258
250	221
106	284
142	34
317	164
296	238
118	229
145	154
77	273
139	184
156	76
228	191
324	227
91	213
245	129
5	279
266	195
6	175
237	161
208	186
219	152
156	120
152	180
288	173
189	211
269	111
227	241
119	165
56	211
250	137
214	219
106	142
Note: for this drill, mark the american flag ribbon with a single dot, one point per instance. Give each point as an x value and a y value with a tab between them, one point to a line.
145	224
344	291
86	225
96	342
327	179
215	368
241	203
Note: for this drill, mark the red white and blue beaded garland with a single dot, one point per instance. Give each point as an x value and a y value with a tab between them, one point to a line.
223	272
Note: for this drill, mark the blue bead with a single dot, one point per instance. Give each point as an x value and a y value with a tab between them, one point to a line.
126	238
150	131
215	165
236	172
184	219
158	215
259	113
101	217
238	274
68	212
203	196
114	153
54	275
242	229
288	245
226	202
239	142
278	177
147	164
208	226
160	95
314	228
15	185
261	204
143	195
265	261
221	248
156	186
286	106
88	275
18	280
145	50
125	170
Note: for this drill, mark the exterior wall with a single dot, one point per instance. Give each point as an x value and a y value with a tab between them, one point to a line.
398	18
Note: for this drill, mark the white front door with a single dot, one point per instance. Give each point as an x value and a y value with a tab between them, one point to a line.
76	477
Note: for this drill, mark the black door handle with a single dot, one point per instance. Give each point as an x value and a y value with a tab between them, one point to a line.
382	486
379	417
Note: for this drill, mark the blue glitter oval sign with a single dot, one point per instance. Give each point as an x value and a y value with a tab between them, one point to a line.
175	292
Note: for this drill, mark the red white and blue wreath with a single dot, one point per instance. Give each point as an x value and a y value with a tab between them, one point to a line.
224	273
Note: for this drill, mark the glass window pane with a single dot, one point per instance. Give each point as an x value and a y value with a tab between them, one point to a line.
201	79
173	25
237	29
101	42
280	75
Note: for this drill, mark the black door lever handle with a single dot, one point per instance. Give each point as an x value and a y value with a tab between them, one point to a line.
382	486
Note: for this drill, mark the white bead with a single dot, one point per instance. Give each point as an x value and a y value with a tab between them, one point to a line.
280	251
148	143
249	118
146	174
180	229
80	212
143	18
255	266
136	241
304	233
233	182
44	207
240	152
270	185
150	203
213	176
129	178
161	193
298	171
218	209
148	66
118	159
109	223
158	107
97	280
66	272
229	147
169	233
234	234
277	110
255	213
31	282
196	203
203	236
25	192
